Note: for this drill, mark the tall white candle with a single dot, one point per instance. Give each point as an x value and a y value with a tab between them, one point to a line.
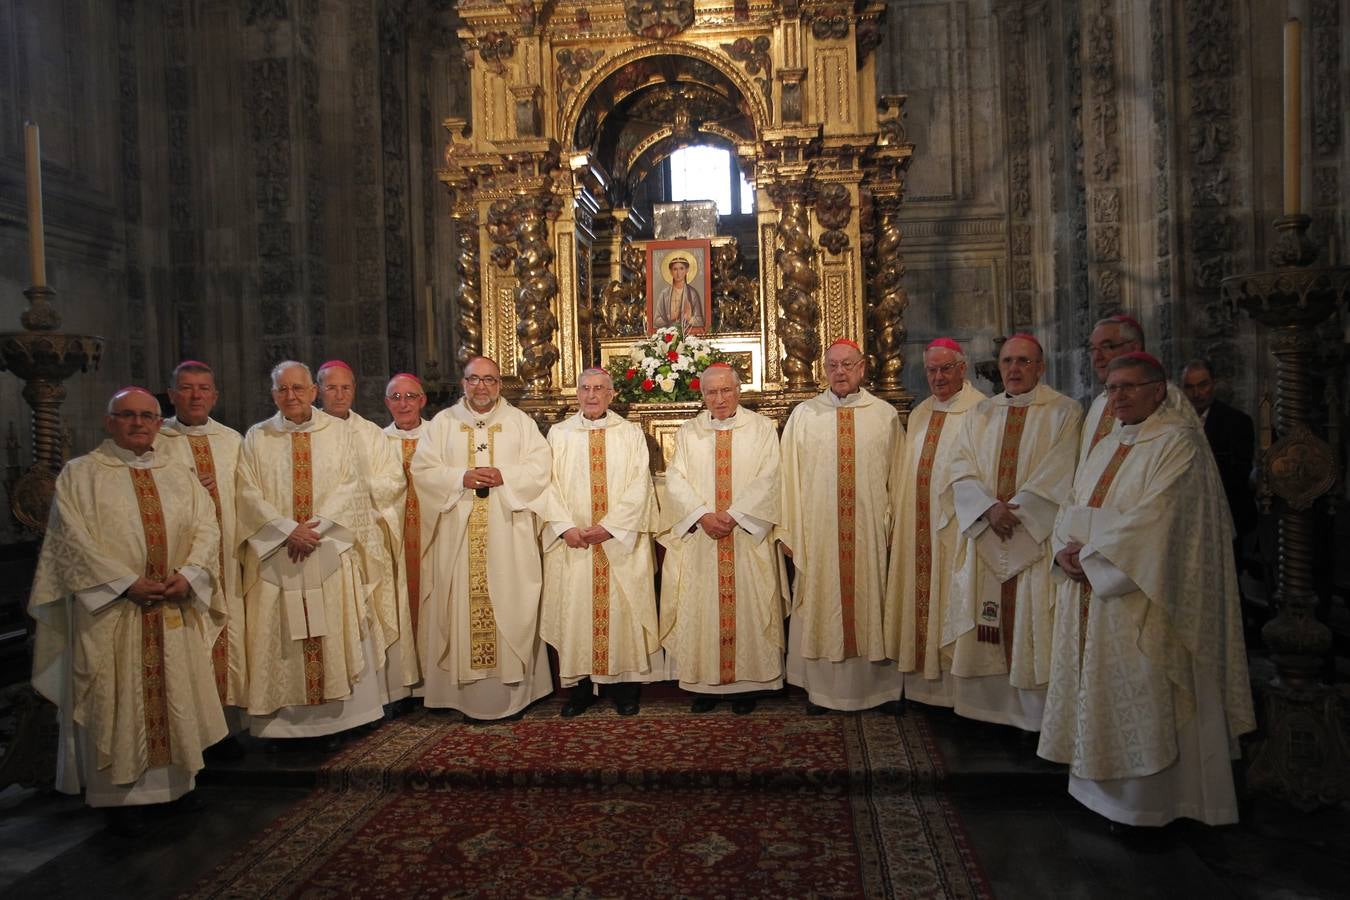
37	251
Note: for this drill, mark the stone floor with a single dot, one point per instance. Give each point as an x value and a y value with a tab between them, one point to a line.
1032	840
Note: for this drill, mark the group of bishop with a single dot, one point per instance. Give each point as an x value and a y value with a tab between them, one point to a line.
1007	558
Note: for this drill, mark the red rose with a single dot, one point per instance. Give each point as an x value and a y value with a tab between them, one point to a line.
630	374
672	356
669	338
648	384
693	383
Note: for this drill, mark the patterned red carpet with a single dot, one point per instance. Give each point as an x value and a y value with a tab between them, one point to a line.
665	804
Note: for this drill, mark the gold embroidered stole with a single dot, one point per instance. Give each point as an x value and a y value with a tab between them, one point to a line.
302	510
923	537
482	621
205	464
1002	619
846	445
1104	426
599	562
726	563
1095	501
153	620
412	535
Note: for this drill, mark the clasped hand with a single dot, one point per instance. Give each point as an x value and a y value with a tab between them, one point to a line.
581	538
302	541
146	592
717	525
1002	518
483	477
1069	563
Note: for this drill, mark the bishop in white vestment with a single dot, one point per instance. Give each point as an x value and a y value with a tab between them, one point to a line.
481	468
211	451
313	658
127	602
1011	469
1149	690
923	545
841	451
599	607
721	600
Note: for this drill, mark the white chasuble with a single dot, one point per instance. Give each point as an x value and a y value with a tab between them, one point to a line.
405	532
478	634
310	650
599	606
1099	422
380	470
213	449
1149	689
721	600
134	686
923	548
839	471
1021	450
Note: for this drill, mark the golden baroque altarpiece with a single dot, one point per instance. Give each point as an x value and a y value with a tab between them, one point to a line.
575	104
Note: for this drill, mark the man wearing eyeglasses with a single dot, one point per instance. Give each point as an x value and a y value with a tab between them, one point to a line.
1113	337
405	399
382	482
128	605
923	544
211	450
840	451
481	468
1148	688
313	655
1012	466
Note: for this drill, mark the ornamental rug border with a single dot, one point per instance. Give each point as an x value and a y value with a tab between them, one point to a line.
902	835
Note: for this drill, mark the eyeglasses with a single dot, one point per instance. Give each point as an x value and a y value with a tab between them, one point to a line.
1107	346
296	389
476	380
1126	387
406	395
843	366
145	418
945	368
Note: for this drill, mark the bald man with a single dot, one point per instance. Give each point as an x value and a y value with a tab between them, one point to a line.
128	605
1012	466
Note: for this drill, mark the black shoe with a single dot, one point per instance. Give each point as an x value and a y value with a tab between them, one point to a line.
892	708
815	709
744	706
703	704
126	821
626	698
227	749
579	700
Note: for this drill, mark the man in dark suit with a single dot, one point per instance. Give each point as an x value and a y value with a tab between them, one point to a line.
1232	438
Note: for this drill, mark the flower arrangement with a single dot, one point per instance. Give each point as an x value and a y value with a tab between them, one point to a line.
664	367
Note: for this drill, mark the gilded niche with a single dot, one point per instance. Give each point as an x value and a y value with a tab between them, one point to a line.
658	19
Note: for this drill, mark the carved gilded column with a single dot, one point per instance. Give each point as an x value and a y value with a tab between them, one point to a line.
469	297
795	255
887	300
536	288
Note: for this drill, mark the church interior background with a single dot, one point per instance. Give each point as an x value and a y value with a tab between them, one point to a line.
406	183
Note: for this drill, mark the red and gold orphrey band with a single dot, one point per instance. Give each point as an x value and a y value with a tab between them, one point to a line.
1104	426
1007	486
302	510
412	535
923	537
1095	501
599	562
205	464
726	564
482	620
846	445
153	688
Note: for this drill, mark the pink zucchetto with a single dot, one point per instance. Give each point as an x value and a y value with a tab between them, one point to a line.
336	364
944	343
408	375
1126	320
1024	336
845	342
1141	356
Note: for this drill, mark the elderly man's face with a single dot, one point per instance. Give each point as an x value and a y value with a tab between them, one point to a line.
945	371
338	388
404	399
294	393
134	421
193	396
482	384
721	391
1021	365
594	394
1106	343
844	367
1134	394
1198	384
